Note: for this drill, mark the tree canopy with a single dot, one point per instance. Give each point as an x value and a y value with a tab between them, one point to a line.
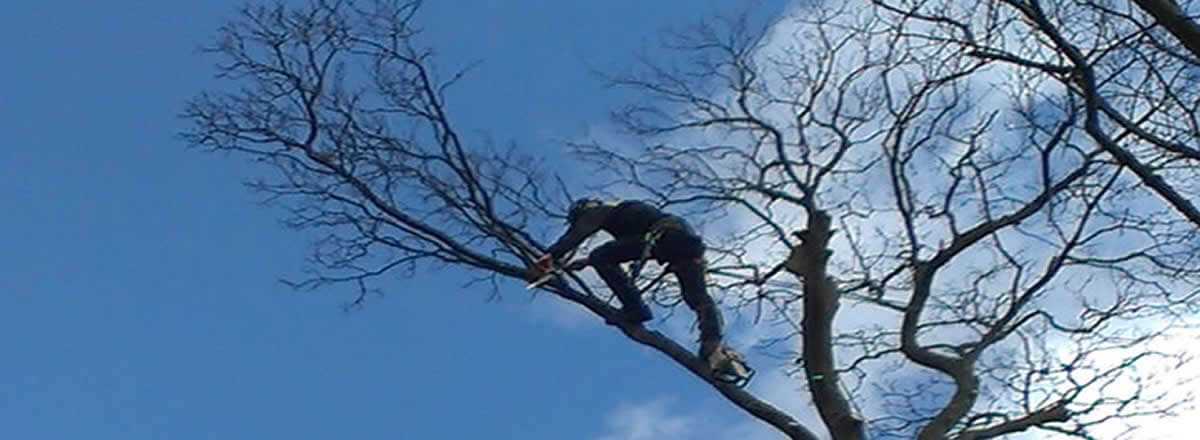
984	209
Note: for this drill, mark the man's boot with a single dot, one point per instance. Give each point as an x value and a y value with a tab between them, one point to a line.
728	366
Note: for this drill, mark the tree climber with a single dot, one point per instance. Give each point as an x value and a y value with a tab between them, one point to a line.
642	231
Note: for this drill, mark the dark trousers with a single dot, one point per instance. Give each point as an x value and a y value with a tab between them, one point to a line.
684	254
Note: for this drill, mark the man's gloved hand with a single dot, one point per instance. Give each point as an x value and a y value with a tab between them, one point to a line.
542	266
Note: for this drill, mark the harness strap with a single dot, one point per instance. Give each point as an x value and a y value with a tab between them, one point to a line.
650	239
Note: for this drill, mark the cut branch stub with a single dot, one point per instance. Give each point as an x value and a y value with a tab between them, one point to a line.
808	260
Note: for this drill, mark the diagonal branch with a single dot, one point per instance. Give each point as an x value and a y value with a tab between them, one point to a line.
1168	14
742	399
1086	79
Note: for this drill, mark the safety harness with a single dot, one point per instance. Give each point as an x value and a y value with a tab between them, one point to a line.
650	239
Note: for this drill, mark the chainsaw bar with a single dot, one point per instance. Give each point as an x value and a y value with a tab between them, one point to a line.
541	280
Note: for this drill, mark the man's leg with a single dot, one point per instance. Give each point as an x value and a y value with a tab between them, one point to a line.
690	274
728	366
606	260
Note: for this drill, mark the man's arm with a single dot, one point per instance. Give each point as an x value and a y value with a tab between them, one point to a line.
588	222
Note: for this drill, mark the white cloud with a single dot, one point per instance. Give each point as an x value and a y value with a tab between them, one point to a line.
664	419
788	393
1161	379
649	421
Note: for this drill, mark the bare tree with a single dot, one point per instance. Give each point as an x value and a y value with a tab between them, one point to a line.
1019	206
350	113
1012	210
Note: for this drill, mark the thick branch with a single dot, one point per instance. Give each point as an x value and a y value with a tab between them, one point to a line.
808	261
1168	14
653	339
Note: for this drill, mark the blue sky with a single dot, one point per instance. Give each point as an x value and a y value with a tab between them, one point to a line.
139	297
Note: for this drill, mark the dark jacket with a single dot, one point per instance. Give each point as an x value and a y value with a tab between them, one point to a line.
627	220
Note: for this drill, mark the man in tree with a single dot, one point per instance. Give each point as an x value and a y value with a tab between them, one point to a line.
641	232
